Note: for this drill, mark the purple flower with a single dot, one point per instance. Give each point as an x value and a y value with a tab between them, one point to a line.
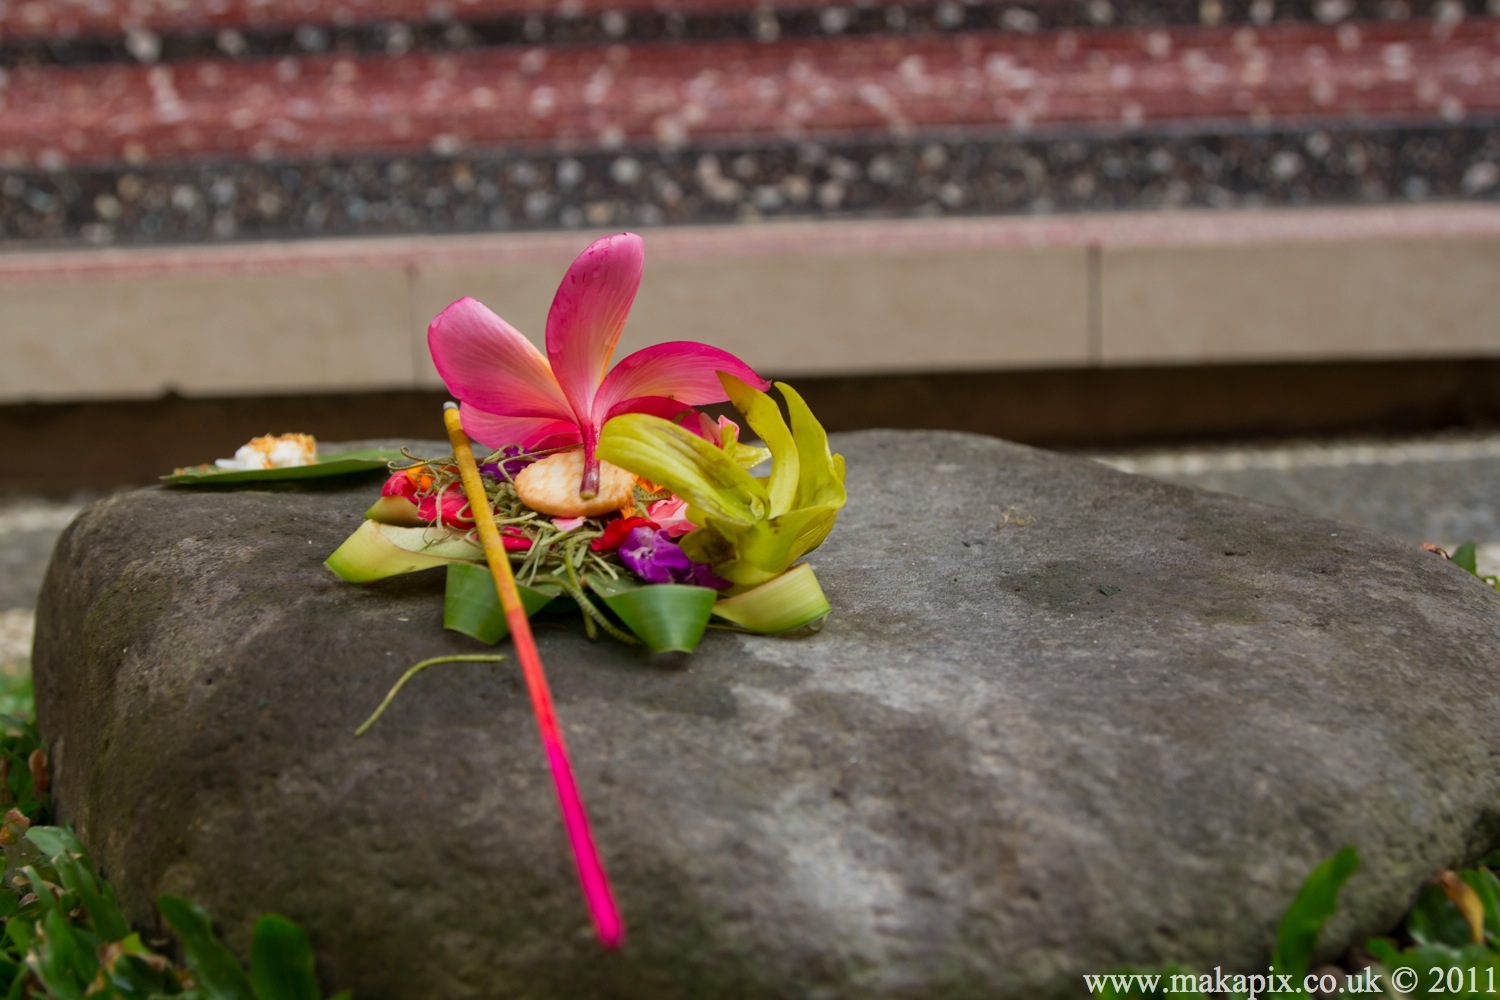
655	557
512	462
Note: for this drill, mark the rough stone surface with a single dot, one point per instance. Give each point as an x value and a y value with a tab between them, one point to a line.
1063	718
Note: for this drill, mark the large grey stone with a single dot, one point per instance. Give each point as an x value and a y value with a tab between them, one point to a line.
1062	718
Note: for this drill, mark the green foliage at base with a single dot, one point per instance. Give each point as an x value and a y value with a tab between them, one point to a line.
1296	937
1450	947
16	696
1465	557
1451	952
65	936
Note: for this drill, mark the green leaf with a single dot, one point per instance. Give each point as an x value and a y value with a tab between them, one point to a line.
55	842
684	463
281	961
608	586
76	874
338	464
1316	901
64	967
133	975
667	617
1435	920
1464	557
376	551
790	601
1384	951
471	606
1487	887
395	510
214	966
1432	962
17	695
45	901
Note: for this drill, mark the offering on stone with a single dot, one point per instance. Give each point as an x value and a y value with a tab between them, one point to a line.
611	491
605	490
280	458
278	451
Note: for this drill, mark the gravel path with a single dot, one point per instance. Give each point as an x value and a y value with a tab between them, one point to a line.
28	530
1436	489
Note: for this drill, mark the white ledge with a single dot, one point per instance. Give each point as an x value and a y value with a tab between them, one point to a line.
792	298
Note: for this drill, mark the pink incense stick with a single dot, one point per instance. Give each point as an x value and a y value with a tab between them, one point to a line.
591	876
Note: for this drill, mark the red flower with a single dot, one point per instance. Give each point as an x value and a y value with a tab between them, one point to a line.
615	532
514	539
415	484
401	484
451	507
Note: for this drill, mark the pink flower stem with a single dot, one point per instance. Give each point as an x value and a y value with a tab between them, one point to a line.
591	877
589	487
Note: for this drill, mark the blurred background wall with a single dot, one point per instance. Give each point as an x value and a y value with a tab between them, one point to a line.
1064	221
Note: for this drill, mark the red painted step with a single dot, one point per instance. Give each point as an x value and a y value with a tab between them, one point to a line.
65	19
672	93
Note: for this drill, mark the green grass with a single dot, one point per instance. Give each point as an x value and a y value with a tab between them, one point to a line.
1464	557
1449	947
15	693
65	936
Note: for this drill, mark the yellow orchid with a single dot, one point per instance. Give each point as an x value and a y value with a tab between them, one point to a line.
750	529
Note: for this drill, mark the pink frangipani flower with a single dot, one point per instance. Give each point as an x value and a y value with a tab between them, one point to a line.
670	516
511	394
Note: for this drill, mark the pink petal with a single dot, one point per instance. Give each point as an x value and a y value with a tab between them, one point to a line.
588	314
682	370
399	485
498	431
667	408
485	362
671	516
724	422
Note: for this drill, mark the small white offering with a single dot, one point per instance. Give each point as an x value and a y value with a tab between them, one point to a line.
273	451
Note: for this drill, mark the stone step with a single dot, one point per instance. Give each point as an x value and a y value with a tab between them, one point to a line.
669	95
61	21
